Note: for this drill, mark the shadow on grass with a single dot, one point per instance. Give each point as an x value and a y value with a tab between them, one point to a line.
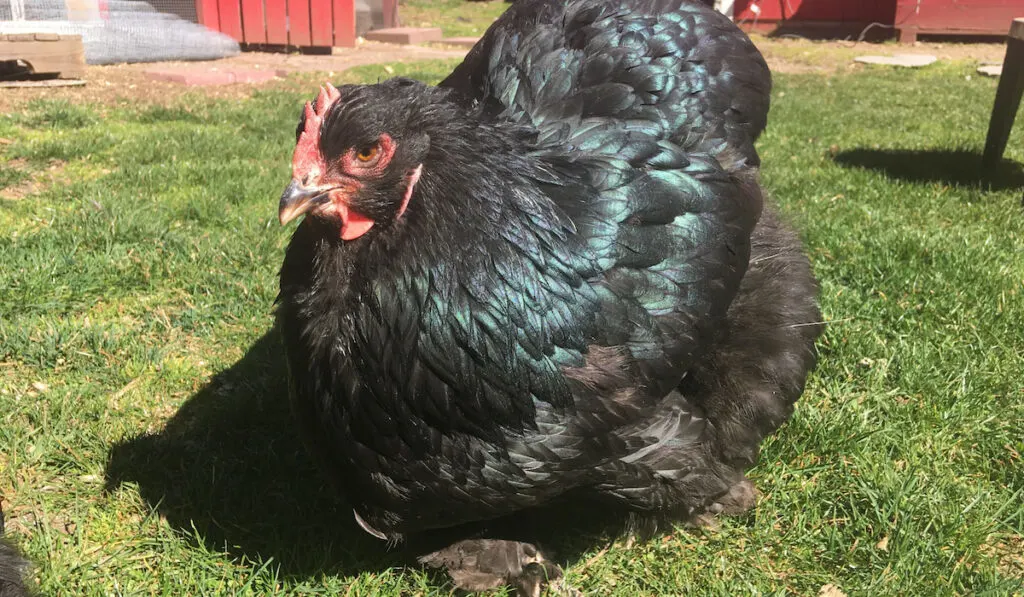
952	167
231	464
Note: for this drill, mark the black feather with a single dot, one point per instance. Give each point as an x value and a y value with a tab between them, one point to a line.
13	568
565	310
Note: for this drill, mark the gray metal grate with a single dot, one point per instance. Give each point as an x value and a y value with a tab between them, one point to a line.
121	30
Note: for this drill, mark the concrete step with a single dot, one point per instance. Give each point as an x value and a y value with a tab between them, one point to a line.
461	42
404	35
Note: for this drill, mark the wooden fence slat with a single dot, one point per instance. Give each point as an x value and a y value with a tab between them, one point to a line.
320	22
230	14
254	27
298	23
345	23
206	13
302	23
277	23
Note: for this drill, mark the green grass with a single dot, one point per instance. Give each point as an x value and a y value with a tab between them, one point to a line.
456	18
10	176
146	448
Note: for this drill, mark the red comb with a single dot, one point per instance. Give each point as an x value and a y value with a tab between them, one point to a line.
307	150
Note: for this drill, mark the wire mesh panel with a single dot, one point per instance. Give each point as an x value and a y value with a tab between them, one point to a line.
121	30
186	9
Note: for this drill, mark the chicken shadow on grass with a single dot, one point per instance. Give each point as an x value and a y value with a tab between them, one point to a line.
230	464
951	167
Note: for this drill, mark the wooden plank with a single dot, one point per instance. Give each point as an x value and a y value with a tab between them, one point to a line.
1017	29
277	22
43	83
1008	96
345	23
254	25
298	23
230	13
206	13
64	56
321	24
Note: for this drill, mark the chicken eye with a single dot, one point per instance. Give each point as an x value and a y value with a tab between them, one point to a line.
368	153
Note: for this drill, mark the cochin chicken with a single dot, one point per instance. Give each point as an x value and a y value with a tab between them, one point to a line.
553	276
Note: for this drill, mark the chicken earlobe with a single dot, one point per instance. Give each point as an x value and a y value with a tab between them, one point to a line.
410	184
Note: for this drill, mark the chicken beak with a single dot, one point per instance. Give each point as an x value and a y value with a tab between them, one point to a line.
297	200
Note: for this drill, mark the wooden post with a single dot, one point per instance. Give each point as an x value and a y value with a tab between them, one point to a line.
17	10
908	35
389	9
1008	96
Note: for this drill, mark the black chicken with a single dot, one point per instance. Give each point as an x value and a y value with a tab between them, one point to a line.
12	568
547	278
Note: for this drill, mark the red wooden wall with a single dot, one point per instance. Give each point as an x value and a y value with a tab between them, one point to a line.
913	16
836	11
323	23
984	17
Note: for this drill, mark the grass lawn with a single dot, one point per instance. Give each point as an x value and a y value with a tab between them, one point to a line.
456	18
146	445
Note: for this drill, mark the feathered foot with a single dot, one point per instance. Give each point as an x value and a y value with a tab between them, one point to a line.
13	568
482	564
741	498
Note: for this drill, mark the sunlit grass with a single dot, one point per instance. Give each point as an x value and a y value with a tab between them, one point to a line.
136	291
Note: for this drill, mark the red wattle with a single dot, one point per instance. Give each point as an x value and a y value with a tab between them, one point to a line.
353	224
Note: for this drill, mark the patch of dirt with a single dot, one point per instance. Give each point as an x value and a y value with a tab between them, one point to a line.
128	83
1010	551
830	590
35	183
